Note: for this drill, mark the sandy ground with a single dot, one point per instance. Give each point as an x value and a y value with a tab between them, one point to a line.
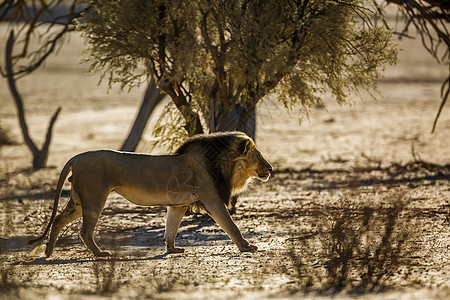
373	151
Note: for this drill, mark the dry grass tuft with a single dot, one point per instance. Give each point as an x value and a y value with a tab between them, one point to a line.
105	276
358	246
8	281
5	138
105	271
163	283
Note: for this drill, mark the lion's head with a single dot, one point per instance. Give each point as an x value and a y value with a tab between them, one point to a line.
231	158
249	164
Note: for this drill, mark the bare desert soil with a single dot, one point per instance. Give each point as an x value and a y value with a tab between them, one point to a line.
367	157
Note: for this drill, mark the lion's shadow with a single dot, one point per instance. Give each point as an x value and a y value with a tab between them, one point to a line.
195	230
66	261
129	244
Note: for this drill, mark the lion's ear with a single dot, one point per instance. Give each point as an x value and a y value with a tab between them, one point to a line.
245	147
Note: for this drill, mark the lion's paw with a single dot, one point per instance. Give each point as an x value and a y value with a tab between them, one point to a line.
103	254
249	248
175	250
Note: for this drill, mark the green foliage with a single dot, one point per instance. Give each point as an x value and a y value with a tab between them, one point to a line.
169	135
209	56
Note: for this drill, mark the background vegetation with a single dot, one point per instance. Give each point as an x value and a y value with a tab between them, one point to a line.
215	57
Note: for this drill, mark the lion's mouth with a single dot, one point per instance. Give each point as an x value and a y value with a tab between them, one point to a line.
264	177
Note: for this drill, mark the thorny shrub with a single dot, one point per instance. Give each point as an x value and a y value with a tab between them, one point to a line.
5	138
105	276
358	245
163	283
105	271
8	282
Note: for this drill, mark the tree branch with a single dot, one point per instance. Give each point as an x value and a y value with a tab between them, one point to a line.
425	14
40	161
179	99
444	100
17	98
151	98
39	156
219	66
29	23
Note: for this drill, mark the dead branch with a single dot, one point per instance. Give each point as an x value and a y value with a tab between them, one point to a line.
430	18
29	14
39	156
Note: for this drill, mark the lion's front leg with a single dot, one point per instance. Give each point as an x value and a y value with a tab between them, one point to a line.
219	213
174	217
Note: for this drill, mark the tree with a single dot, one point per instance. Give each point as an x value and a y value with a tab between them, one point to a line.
46	23
215	59
39	155
151	99
430	19
29	17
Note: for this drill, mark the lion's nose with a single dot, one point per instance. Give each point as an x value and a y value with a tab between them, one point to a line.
270	168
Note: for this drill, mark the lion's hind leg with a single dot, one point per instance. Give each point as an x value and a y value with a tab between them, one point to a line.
68	215
92	208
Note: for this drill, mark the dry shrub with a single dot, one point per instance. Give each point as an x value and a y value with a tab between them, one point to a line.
358	245
105	270
163	283
5	138
8	278
106	273
8	282
105	276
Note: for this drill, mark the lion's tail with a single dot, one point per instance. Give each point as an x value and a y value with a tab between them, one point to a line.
62	177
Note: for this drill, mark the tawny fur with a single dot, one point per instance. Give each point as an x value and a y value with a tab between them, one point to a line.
235	158
241	176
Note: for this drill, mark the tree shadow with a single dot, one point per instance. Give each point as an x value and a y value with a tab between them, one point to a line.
412	174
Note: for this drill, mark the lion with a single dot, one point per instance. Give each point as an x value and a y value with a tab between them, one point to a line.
204	172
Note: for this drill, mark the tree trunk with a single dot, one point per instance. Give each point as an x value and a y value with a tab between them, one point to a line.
39	156
246	121
242	120
152	98
40	160
238	119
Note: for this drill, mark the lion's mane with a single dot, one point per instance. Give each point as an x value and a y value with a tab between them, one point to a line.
224	156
